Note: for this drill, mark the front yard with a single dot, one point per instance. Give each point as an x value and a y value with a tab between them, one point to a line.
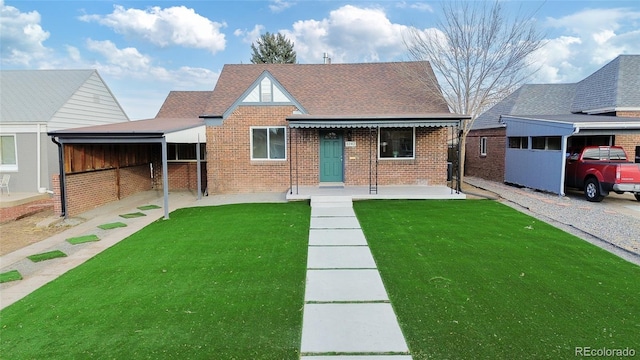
467	279
476	279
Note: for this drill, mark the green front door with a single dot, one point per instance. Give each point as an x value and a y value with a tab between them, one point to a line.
331	169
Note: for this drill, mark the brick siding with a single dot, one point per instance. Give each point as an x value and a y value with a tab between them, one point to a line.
490	166
229	165
85	191
230	168
181	175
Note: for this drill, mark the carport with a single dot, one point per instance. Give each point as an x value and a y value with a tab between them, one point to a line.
123	137
537	145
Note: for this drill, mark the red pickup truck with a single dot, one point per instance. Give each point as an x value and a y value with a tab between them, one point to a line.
601	169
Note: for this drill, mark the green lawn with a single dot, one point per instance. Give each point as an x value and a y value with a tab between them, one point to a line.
210	283
478	280
467	279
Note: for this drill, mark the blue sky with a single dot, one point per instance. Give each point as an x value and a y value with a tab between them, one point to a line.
145	49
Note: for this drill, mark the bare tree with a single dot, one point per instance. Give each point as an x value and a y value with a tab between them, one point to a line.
478	55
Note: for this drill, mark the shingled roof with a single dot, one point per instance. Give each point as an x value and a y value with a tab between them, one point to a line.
339	89
614	87
184	104
530	99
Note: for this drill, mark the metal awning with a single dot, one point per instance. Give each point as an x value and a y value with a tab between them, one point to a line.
342	124
305	121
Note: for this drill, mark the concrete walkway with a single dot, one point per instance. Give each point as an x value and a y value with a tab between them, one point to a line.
347	313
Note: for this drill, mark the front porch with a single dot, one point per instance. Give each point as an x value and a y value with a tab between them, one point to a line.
388	192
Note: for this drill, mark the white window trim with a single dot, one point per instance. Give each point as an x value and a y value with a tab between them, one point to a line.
11	167
483	146
268	158
398	158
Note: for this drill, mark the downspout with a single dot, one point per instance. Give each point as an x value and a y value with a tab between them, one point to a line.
38	157
63	198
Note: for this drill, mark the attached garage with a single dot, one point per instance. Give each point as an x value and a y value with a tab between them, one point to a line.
537	146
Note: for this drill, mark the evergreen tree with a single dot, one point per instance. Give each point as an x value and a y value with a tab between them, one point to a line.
273	49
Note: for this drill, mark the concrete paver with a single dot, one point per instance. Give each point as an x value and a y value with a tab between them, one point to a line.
338	222
332	211
356	328
333	237
347	309
345	285
340	257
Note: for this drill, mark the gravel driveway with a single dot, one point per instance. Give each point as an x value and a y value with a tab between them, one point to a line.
613	224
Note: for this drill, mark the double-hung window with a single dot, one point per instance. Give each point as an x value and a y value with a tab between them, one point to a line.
268	143
8	153
397	143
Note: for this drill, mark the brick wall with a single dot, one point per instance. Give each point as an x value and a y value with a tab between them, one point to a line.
229	165
628	114
428	168
491	166
57	200
629	143
181	175
85	191
230	168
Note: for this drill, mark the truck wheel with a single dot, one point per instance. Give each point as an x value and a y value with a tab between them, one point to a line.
637	195
592	190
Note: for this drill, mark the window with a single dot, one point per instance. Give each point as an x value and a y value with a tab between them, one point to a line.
396	143
518	142
8	153
483	146
546	142
182	152
268	143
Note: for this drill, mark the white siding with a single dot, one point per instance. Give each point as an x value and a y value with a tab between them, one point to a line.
92	104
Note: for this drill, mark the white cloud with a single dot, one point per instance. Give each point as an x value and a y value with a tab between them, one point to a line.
592	37
420	6
176	25
129	63
21	36
277	6
349	34
249	36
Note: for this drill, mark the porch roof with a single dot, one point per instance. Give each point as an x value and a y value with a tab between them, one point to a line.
373	121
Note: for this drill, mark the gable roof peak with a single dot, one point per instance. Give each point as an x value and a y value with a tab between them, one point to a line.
339	89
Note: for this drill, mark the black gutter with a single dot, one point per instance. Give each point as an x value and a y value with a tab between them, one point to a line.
63	199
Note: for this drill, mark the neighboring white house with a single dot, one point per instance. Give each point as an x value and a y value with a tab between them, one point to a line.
33	102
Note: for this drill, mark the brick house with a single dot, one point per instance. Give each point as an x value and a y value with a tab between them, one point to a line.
524	138
271	127
274	127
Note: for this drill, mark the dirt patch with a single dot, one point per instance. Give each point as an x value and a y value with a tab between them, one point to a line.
19	233
475	193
